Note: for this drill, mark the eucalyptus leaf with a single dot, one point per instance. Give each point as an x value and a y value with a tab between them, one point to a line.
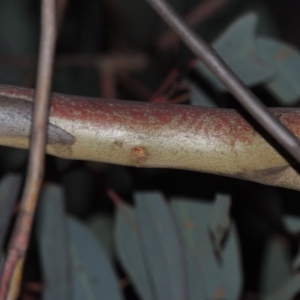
102	226
219	221
287	291
203	276
285	61
92	271
162	245
130	252
237	48
53	244
2	258
200	97
231	264
207	273
292	224
277	267
9	189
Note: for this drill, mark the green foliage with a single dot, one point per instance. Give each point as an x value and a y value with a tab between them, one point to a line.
130	251
257	61
173	243
200	97
204	257
237	47
277	268
285	61
280	274
102	225
9	191
74	265
52	235
91	270
185	250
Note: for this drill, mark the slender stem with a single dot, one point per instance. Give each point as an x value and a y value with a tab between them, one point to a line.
134	86
117	62
61	11
107	83
221	70
197	15
11	276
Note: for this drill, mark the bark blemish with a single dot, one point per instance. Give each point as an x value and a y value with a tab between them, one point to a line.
139	153
118	144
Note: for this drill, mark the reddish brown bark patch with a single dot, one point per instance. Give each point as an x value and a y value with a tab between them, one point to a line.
139	153
290	118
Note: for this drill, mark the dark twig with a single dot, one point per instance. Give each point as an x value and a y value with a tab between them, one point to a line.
61	11
115	198
107	79
220	69
120	204
117	62
134	86
167	82
197	15
11	276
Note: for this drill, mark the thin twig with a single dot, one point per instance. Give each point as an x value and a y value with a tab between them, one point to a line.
137	88
11	276
117	62
197	15
107	83
120	205
221	70
115	198
167	82
61	11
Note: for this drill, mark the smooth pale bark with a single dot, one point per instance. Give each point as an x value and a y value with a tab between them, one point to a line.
141	134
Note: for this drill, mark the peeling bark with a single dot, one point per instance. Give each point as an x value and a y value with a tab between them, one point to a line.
142	134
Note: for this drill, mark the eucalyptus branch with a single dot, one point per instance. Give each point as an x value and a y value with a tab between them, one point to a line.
143	134
221	70
13	265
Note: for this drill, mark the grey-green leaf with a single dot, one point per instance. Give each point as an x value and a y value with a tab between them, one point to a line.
93	274
285	61
102	226
276	269
53	244
292	224
219	220
237	47
231	264
203	276
287	291
207	273
200	97
2	258
162	245
9	190
130	252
